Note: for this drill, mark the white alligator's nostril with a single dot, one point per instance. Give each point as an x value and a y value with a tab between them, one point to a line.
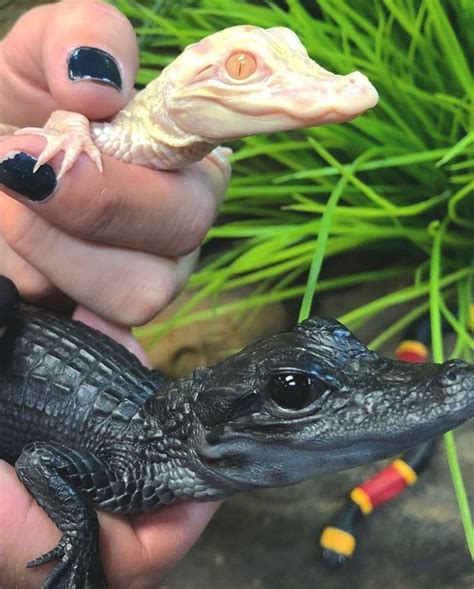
358	85
356	79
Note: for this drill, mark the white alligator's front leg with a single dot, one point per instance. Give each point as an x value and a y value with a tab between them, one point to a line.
220	156
65	131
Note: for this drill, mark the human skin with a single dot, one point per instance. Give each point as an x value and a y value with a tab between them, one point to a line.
131	231
57	254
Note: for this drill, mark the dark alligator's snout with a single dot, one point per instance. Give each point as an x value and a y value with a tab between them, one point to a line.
401	404
317	400
458	373
457	385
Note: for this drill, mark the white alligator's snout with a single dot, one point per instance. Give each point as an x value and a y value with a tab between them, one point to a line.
333	98
356	90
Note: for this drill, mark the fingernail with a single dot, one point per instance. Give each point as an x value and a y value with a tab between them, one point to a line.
16	173
96	65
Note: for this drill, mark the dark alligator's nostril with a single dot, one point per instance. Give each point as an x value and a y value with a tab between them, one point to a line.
451	375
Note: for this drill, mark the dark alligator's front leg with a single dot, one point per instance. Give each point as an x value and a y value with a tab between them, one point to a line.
52	474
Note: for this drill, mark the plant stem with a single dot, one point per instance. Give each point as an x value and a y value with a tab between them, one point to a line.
438	356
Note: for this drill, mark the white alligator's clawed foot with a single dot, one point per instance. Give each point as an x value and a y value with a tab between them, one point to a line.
68	132
220	156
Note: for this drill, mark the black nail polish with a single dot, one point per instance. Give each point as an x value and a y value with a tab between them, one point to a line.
9	300
95	65
16	173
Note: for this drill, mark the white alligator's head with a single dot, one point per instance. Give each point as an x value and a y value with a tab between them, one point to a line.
246	80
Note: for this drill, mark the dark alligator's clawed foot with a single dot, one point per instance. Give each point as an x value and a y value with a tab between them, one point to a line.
46	469
77	569
53	554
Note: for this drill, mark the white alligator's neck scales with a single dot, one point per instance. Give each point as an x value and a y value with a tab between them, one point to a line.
143	134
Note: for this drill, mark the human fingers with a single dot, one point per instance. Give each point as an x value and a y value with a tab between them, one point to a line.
77	55
34	286
120	334
140	550
167	213
121	285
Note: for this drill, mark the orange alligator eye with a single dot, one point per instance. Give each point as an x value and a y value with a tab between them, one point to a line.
241	65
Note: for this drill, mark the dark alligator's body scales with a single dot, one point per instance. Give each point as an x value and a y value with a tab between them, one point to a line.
87	426
66	385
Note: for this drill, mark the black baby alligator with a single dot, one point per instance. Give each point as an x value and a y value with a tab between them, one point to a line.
86	424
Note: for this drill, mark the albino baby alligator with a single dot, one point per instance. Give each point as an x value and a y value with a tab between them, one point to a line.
240	81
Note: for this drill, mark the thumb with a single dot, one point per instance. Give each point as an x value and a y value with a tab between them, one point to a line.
77	55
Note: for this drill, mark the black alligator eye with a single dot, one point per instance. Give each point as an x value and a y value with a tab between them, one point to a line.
451	375
295	390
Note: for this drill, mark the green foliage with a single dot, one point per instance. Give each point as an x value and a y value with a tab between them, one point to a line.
395	185
397	169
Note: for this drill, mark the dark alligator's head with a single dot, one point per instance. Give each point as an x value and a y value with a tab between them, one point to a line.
315	400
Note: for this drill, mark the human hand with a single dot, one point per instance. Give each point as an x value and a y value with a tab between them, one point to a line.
121	243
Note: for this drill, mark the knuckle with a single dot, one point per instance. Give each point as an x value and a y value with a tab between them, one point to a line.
23	233
139	305
32	285
193	226
198	230
99	216
184	268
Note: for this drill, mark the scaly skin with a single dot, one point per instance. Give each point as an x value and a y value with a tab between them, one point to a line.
241	81
87	425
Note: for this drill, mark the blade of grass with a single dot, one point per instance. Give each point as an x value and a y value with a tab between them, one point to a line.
438	356
321	242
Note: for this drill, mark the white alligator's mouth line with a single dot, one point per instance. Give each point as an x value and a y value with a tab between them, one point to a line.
315	117
324	115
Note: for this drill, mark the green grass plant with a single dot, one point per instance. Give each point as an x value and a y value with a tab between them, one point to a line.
395	186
